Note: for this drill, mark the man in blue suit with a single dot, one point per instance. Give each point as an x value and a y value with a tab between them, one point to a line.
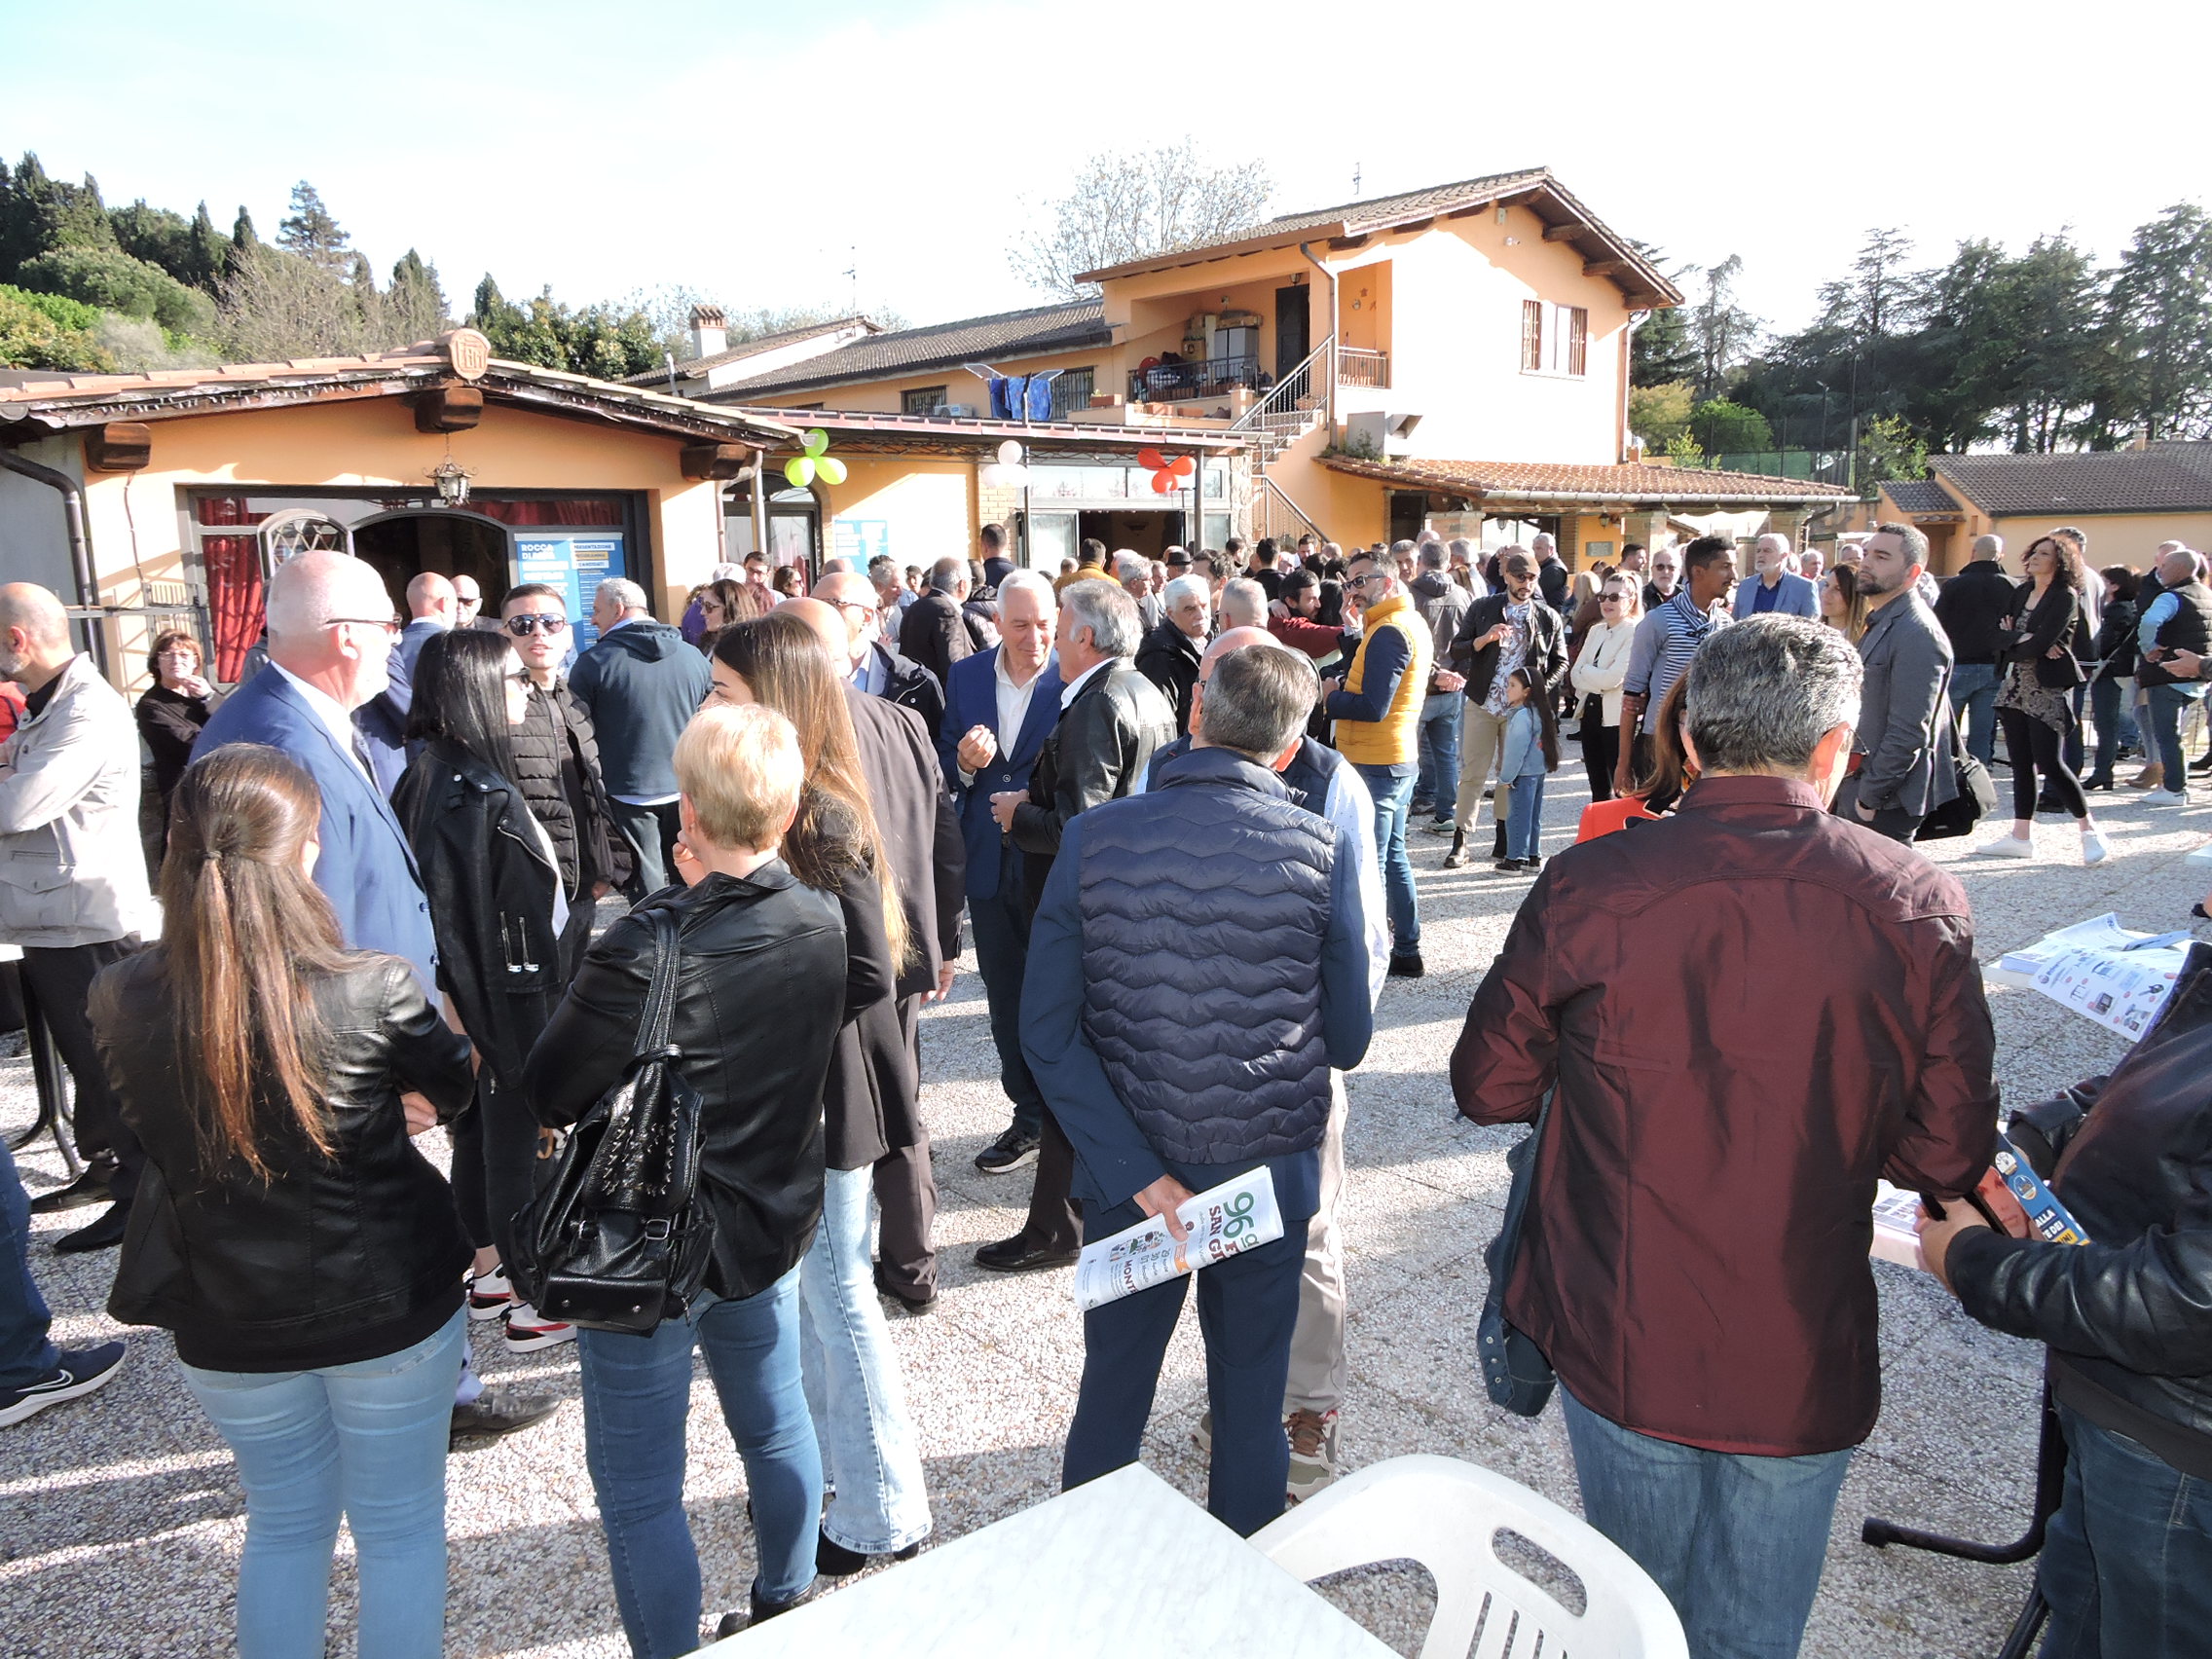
432	608
330	637
999	707
1775	589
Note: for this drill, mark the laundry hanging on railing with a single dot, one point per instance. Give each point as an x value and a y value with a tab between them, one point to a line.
1023	397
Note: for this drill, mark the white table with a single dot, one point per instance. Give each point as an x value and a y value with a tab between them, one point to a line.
1123	1566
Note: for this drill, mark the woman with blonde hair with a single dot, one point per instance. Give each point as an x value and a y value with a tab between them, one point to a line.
307	1258
870	1451
1600	669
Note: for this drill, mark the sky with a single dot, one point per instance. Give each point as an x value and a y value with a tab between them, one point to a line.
758	154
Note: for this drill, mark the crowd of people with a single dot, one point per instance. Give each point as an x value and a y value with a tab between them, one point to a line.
1172	801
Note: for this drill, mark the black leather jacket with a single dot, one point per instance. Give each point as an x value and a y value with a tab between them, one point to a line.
1097	753
759	996
334	1260
491	891
2130	1312
1547	643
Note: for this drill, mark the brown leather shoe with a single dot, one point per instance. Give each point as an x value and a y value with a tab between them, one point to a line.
2152	777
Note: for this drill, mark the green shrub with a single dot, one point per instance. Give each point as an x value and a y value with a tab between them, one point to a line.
113	280
30	338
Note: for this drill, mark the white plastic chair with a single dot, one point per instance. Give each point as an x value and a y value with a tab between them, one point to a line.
1445	1513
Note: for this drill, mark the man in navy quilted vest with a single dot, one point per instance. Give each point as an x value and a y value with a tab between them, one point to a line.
1180	1016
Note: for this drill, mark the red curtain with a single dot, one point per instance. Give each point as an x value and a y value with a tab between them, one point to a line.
233	598
588	509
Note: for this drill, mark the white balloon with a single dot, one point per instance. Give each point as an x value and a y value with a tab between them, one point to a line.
1016	477
991	476
1010	451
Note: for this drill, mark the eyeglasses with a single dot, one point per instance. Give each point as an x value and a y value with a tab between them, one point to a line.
1370	577
535	622
1612	599
856	605
391	625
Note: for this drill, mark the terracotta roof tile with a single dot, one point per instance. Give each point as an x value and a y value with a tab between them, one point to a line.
1919	495
753	348
940	344
2165	478
1626	482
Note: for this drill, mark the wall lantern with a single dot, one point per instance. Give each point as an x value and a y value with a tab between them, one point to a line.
451	480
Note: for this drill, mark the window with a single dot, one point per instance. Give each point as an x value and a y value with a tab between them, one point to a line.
1072	391
922	400
1554	340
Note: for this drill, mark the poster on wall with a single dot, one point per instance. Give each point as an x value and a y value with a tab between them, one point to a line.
573	565
860	539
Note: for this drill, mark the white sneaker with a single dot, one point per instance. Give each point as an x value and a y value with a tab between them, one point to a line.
490	1295
2202	854
527	1330
2093	848
2007	847
2164	797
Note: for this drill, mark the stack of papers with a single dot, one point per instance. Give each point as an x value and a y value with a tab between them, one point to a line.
2115	976
1224	1221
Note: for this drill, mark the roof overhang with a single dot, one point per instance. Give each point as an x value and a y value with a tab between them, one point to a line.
1566	219
1702	491
962	437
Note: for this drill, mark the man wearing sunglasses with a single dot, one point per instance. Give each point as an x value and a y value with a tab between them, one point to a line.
556	757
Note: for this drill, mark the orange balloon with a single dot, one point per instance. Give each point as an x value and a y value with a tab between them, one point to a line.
1150	459
1182	466
1163	483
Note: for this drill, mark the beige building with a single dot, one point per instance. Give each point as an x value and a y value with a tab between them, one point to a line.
2126	500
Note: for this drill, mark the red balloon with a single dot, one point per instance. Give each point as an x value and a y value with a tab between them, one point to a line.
1163	483
1150	459
1182	466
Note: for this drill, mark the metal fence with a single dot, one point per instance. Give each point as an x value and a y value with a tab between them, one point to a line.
1825	466
1358	366
1212	376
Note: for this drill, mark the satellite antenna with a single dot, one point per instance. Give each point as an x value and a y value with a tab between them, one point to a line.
852	274
1355	181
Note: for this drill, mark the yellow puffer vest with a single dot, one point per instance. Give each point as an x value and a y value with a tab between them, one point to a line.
1390	741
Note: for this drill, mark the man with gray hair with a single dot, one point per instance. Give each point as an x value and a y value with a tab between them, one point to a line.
1973	608
1112	718
1134	570
1243	603
1692	1259
2176	624
640	683
1168	654
1776	589
1175	1069
935	633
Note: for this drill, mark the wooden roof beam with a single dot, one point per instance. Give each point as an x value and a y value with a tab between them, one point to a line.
1564	233
1605	267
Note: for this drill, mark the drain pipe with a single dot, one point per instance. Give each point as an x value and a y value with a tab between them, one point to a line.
1305	251
80	550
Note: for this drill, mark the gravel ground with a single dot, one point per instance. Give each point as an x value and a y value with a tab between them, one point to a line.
119	1520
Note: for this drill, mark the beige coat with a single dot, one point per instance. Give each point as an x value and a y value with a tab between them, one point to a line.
72	870
1600	665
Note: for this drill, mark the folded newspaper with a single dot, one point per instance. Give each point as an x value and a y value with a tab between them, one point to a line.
1225	1221
1896	1212
2115	976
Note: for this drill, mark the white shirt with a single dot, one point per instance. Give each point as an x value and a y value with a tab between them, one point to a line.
1013	705
1069	690
330	712
871	675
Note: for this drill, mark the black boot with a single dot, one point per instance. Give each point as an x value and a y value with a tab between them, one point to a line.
1498	845
1457	856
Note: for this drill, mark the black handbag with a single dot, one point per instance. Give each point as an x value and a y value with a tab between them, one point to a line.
1975	801
617	1240
1515	1371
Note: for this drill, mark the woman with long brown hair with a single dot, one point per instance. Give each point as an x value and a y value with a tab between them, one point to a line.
869	1446
1843	607
722	606
306	1257
2035	708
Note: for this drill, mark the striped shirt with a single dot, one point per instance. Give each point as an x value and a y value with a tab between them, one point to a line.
1665	642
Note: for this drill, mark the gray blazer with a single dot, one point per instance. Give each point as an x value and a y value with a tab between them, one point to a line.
71	867
1904	711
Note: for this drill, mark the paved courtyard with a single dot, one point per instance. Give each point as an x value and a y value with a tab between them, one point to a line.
119	1520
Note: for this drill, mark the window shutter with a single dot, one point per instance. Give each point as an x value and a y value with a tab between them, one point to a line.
1577	341
1532	334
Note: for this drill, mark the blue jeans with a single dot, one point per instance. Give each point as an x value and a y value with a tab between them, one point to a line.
366	1441
1525	816
1974	690
26	1355
2166	705
2127	1563
636	1393
1735	1541
1392	788
853	1389
1001	924
1437	751
1247	1314
2115	725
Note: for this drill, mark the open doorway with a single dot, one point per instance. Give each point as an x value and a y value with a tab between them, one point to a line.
1148	533
402	545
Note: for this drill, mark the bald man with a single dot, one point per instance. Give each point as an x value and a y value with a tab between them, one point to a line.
914	815
869	663
75	895
1973	608
432	607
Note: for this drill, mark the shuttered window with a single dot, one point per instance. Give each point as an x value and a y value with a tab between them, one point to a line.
1554	340
1577	340
1532	334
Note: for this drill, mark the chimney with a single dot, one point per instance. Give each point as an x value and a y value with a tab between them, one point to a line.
710	331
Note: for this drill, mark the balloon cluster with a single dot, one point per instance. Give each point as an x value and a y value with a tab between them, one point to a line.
1168	476
1006	472
803	469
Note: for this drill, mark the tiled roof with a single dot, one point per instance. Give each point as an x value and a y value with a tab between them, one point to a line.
1633	274
1919	495
81	400
749	349
1559	481
2165	478
942	345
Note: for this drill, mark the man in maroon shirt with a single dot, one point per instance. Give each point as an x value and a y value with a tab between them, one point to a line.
1693	1260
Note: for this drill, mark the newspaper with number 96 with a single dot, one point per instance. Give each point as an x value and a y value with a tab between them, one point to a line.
1225	1221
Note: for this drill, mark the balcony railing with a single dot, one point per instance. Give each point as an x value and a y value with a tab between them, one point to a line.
1210	377
1357	366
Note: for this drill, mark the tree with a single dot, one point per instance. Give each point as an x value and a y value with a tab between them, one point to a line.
1659	414
1128	204
1722	428
604	341
1888	448
2157	330
39	214
1723	332
1880	297
2042	366
311	232
415	302
113	280
45	331
155	234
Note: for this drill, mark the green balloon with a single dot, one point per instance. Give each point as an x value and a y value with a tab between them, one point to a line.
799	469
830	469
817	441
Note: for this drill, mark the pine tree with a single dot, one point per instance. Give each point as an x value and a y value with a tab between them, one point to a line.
2157	330
203	252
415	302
311	232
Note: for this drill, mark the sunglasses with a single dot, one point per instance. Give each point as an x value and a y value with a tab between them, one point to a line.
522	627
